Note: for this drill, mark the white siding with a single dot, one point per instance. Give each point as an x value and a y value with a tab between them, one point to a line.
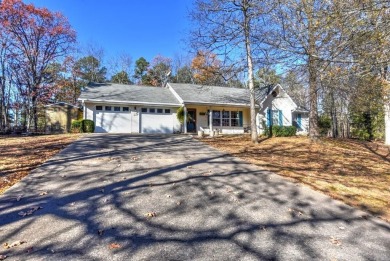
387	124
284	103
202	120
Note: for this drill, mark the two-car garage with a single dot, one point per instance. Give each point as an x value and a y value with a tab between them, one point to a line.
133	119
120	108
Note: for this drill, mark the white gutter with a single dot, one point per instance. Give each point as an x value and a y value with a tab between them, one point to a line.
219	104
131	102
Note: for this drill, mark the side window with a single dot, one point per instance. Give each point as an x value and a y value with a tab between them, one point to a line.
159	110
117	108
125	108
216	118
144	110
152	110
167	110
107	108
99	108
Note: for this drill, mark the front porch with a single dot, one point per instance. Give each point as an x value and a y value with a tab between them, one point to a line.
218	119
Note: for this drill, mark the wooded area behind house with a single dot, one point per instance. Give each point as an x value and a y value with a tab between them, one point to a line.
331	57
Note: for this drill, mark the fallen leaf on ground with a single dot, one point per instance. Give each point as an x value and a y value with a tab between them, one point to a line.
43	193
22	213
3	257
30	249
14	244
18	198
342	228
102	190
30	211
114	245
151	214
335	241
100	232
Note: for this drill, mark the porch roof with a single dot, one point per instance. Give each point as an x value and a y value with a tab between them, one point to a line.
210	95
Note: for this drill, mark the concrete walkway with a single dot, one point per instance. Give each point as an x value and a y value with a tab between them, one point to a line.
134	197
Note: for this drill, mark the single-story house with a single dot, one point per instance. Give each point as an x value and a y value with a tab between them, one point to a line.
118	108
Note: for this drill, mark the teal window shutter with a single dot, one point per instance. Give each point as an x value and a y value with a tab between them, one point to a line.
280	118
240	118
299	120
269	117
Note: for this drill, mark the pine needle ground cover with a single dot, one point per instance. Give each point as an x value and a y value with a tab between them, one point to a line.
20	155
353	171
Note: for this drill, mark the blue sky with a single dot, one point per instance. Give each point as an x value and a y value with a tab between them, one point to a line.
138	27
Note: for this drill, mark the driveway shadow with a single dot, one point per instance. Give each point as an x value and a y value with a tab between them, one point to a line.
174	198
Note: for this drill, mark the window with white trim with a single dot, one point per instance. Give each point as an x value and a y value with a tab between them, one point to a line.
275	117
227	118
107	108
99	108
216	118
234	119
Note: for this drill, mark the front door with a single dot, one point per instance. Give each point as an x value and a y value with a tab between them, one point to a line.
191	120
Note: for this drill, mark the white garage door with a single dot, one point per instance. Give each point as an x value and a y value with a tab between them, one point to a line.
154	122
113	122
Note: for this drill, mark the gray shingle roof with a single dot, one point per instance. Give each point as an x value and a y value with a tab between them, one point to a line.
192	93
128	93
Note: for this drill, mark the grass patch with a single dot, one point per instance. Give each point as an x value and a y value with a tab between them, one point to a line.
20	155
355	172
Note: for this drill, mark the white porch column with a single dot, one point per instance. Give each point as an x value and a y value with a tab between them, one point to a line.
84	110
211	123
185	120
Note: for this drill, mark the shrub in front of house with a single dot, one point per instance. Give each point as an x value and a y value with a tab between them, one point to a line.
76	126
281	131
82	126
88	126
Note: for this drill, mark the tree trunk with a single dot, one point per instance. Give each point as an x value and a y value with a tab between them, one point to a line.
387	123
250	71
34	113
312	64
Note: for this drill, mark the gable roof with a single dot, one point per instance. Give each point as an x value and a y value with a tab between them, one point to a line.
133	94
211	95
176	94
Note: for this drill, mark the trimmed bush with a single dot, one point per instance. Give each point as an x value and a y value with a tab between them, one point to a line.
76	126
281	131
88	126
82	126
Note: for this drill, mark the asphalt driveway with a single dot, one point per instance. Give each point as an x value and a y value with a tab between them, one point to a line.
135	197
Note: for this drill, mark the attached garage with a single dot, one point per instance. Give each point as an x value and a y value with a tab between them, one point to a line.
117	108
157	120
